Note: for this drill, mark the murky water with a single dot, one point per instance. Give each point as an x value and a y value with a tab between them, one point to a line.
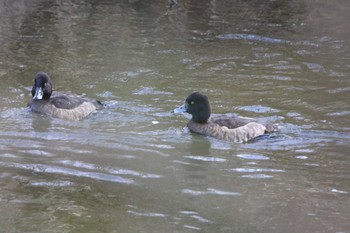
134	167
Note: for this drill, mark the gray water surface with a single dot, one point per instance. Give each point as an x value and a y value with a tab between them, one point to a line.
135	167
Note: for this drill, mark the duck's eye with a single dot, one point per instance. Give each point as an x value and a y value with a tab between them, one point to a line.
192	102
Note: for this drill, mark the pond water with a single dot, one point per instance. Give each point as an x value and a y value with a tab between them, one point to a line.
135	167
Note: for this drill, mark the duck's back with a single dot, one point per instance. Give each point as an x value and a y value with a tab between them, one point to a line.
66	101
231	122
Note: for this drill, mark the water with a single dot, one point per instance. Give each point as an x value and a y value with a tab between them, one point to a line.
135	167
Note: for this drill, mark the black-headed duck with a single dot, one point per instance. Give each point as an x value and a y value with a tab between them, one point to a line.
236	129
58	105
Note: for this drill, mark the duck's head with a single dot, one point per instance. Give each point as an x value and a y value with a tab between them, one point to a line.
42	88
198	106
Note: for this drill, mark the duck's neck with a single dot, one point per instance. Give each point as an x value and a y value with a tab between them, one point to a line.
202	117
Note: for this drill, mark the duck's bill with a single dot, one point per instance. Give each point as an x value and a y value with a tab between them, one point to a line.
180	109
38	94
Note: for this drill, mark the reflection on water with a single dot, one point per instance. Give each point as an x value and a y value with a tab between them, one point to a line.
134	167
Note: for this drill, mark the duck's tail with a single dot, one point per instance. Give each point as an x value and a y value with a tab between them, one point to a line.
271	128
108	105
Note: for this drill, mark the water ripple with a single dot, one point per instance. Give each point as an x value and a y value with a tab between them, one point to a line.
257	109
253	37
66	171
339	191
192	227
147	214
256	173
210	191
206	159
195	215
253	156
90	166
151	91
251	170
257	176
57	183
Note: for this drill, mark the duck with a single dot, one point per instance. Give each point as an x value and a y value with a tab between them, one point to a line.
59	105
222	127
